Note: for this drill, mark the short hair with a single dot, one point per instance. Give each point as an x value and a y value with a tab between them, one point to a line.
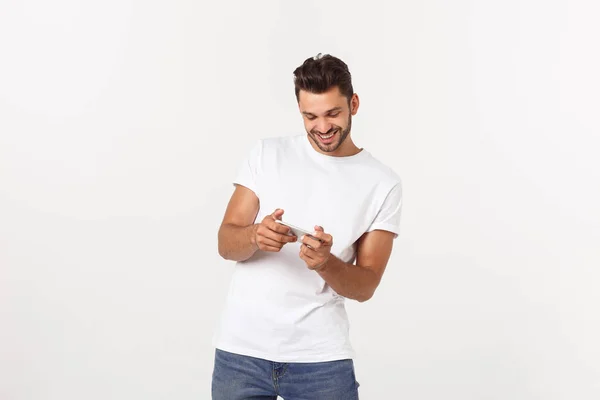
320	73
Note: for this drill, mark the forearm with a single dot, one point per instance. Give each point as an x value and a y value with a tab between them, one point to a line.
237	243
348	280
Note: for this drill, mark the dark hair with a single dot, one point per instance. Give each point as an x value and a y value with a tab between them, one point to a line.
321	73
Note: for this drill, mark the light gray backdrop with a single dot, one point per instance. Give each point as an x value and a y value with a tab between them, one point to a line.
122	124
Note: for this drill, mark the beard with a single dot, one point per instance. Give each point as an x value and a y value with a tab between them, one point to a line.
342	134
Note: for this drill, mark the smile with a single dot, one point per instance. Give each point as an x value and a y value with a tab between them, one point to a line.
326	139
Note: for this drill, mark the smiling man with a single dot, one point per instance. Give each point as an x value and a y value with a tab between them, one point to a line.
284	330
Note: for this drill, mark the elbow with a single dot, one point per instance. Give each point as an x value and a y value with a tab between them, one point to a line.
362	299
365	296
229	254
221	248
223	252
368	291
222	244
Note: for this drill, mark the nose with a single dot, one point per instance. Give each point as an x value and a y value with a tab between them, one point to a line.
322	126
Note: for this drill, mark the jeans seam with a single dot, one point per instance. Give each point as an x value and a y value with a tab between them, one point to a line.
275	379
284	371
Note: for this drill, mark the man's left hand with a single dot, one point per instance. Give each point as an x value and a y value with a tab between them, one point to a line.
315	251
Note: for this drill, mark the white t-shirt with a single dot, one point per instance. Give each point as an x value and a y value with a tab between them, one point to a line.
277	309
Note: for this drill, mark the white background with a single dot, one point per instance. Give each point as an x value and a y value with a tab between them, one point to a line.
122	124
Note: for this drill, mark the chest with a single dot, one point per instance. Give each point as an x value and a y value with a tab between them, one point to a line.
338	199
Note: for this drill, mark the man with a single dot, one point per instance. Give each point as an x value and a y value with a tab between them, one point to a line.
284	330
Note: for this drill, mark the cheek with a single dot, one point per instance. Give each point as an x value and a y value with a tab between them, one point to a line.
339	122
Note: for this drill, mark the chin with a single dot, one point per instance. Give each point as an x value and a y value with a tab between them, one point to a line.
332	147
328	148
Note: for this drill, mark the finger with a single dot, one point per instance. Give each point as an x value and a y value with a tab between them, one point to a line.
264	230
270	248
308	252
279	237
326	238
277	227
277	213
270	242
311	241
304	256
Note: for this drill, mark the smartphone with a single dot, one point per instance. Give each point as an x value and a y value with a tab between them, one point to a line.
299	232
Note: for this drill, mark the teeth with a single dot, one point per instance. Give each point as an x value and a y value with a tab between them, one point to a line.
326	137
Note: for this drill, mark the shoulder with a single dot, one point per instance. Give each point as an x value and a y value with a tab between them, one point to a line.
382	172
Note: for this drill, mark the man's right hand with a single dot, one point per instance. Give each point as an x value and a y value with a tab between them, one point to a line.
271	236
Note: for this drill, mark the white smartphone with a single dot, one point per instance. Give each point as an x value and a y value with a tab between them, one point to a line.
299	232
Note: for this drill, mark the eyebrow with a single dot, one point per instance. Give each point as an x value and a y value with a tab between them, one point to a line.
326	112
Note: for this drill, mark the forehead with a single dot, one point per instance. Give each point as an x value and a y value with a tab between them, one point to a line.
321	102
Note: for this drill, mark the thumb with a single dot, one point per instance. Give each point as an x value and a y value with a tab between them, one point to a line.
319	228
277	213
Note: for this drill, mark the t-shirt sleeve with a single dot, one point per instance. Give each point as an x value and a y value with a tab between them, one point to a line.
388	217
248	170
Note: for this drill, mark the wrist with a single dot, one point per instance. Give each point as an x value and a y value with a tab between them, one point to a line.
324	264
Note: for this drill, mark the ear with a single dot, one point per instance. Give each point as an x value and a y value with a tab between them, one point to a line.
354	103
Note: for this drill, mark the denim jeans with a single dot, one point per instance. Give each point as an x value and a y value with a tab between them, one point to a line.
237	377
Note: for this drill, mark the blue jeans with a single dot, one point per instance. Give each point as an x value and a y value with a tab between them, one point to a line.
237	377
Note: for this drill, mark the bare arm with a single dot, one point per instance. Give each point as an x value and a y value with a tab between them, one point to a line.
359	281
240	237
238	231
